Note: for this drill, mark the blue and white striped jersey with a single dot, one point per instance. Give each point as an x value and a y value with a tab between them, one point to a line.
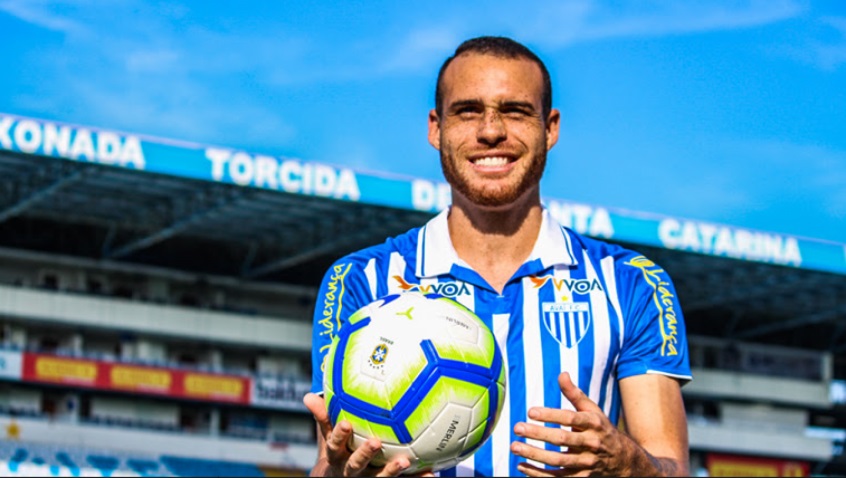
595	310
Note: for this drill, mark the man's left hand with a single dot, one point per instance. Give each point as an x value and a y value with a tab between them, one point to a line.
595	445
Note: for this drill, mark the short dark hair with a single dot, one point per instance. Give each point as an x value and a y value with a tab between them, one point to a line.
501	47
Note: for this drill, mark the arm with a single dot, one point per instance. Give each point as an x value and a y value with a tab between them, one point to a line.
656	422
657	445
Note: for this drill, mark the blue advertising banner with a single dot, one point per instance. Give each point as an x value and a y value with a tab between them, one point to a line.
294	176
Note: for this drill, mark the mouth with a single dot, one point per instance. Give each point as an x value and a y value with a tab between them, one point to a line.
492	160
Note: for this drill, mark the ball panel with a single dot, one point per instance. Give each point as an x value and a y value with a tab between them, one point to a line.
362	313
390	451
481	410
442	440
367	428
380	367
475	438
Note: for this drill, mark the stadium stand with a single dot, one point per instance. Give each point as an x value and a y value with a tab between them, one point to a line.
156	300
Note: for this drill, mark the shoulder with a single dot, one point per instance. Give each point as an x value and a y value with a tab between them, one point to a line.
599	250
631	269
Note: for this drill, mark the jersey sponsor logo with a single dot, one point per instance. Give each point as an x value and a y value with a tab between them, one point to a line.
663	300
79	144
578	286
333	303
731	242
446	289
567	321
288	175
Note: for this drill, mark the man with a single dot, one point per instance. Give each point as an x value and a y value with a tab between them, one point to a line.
590	330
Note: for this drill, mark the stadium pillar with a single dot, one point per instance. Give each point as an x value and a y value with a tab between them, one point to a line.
214	422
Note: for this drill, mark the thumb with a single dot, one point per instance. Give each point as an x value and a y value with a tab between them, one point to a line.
578	398
317	406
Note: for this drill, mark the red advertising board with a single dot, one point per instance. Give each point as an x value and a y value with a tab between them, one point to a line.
135	378
733	465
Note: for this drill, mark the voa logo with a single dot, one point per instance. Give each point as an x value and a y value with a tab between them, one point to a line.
449	289
578	286
446	289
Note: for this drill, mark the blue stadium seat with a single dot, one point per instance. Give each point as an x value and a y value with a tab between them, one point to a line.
143	467
106	464
196	467
20	455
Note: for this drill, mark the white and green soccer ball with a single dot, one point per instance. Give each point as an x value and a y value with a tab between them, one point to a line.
422	373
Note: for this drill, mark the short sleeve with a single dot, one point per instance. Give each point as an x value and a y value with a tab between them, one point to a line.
654	340
343	291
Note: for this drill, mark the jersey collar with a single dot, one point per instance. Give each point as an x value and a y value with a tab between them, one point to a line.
436	256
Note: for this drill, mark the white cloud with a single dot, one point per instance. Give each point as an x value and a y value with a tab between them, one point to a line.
39	13
558	24
830	55
143	70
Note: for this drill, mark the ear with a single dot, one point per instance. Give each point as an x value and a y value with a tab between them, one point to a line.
553	123
435	129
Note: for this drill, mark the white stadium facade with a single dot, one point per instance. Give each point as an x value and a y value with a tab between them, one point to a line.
156	300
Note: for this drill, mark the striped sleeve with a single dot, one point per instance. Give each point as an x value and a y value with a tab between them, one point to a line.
343	291
655	341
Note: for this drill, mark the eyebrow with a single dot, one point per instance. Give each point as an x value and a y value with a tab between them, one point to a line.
518	104
462	103
477	102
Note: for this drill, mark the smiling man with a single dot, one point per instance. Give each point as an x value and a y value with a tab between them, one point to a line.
591	331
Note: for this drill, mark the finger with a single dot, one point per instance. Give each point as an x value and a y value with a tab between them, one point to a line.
575	395
531	470
317	406
558	436
540	455
360	458
337	440
395	467
567	418
572	462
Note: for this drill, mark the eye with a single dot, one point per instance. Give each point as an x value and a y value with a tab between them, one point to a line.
515	112
468	111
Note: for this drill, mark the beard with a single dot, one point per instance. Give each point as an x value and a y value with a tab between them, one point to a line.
500	195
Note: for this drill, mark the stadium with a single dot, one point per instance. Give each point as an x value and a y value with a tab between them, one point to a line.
156	300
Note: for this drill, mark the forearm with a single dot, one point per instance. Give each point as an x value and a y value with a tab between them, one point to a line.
641	463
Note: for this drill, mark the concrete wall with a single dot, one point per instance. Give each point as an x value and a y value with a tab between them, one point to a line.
173	321
710	383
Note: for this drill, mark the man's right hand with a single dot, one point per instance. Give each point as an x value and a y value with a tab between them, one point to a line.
334	457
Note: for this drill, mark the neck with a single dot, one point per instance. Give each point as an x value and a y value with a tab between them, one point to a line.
495	242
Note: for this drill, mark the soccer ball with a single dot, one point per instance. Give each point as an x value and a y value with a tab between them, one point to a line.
422	373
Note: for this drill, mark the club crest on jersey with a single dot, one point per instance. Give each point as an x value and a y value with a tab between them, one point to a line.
578	286
567	321
446	289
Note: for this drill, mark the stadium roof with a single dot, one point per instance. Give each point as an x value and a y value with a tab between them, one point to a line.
124	198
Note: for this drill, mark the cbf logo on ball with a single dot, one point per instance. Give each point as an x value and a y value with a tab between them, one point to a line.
380	353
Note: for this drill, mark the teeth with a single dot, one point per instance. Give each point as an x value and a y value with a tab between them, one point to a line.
492	161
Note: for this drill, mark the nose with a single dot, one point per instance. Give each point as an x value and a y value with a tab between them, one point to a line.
491	128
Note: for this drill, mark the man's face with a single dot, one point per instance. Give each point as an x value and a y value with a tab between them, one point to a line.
491	132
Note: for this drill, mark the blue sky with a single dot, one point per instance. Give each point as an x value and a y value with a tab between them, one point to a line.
725	111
